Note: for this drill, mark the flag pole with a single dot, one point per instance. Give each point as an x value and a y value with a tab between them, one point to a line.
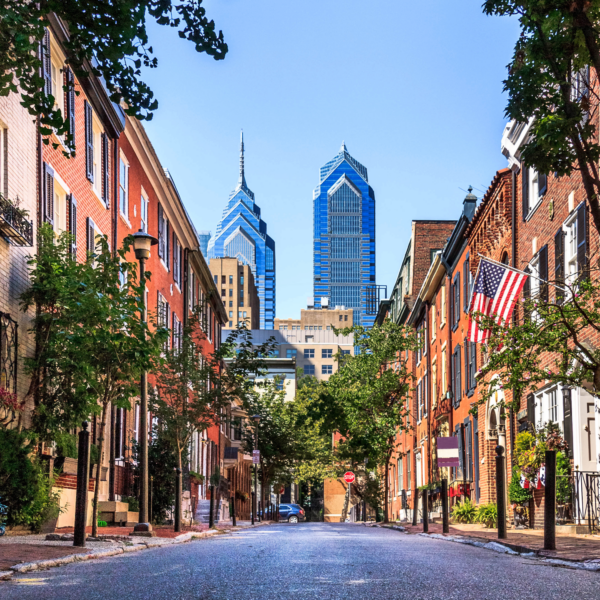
519	271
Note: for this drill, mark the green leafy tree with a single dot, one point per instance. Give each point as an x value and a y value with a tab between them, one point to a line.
95	345
106	39
365	401
551	80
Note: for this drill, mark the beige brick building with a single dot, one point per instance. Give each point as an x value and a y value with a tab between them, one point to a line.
235	283
317	320
18	189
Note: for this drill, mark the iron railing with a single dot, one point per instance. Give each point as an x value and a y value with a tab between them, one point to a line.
14	227
586	498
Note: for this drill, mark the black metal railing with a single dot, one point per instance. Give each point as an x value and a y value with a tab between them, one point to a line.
586	498
374	293
8	352
14	226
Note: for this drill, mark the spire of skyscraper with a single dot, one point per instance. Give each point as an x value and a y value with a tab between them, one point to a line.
242	181
343	148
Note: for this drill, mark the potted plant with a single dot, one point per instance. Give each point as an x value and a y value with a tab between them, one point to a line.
241	495
196	478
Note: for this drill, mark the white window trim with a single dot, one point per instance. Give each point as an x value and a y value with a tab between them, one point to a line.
124	216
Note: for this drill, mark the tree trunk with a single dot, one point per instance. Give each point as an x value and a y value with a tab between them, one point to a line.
386	518
100	446
178	507
346	503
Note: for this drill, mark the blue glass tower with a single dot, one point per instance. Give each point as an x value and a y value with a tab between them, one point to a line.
344	236
242	234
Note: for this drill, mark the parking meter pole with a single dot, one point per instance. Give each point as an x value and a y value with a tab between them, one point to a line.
253	511
425	511
415	507
500	493
83	479
550	502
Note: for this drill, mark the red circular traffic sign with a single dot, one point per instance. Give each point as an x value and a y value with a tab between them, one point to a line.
349	477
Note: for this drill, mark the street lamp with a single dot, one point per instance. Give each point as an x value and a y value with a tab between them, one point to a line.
142	242
256	419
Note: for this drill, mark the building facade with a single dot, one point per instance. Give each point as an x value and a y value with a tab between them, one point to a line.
241	233
318	320
235	285
344	237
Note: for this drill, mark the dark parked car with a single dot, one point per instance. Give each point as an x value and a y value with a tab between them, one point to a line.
292	513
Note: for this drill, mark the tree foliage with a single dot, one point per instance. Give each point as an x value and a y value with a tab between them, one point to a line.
106	39
553	81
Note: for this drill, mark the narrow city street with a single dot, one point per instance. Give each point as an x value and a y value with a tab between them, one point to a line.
310	560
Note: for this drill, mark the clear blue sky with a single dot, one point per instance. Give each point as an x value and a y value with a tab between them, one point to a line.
414	88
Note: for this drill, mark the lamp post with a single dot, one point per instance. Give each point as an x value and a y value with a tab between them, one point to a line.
256	419
142	242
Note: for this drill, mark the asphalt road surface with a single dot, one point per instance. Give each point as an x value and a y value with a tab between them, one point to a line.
305	561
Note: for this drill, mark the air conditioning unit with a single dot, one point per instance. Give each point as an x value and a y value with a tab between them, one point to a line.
324	302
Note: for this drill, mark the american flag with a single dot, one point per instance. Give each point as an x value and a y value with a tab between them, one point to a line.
494	295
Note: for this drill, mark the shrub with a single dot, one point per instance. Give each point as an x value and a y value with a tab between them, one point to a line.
464	512
487	514
564	490
102	524
66	445
133	502
517	494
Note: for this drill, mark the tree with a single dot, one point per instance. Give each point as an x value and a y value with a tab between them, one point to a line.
549	82
106	39
550	342
91	340
365	401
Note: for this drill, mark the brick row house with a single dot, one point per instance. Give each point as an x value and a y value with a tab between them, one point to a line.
531	222
113	186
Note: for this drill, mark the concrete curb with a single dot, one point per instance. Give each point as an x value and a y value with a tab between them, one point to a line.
93	554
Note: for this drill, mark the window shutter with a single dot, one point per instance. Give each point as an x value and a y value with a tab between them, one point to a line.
89	142
473	365
525	191
71	103
452	304
47	63
105	171
465	280
531	408
167	258
559	263
469	448
458	376
543	273
467	366
457	300
91	236
161	232
542	183
526	293
48	194
461	458
582	257
73	224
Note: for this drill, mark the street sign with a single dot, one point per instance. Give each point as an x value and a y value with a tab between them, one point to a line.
447	452
255	457
349	477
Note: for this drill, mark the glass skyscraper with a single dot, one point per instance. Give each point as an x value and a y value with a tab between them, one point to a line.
344	236
242	234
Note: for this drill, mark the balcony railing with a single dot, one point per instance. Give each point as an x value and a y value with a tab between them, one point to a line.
14	226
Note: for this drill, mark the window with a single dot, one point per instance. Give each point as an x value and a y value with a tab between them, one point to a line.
548	408
326	369
231	314
533	188
419	401
309	353
60	208
245	314
345	352
177	261
408	470
230	292
279	384
230	304
434	386
222	293
444	374
456	375
124	188
443	305
552	406
223	279
455	302
144	212
163	237
466	284
433	312
230	324
177	333
341	317
571	249
231	280
470	366
291	353
400	472
309	369
326	353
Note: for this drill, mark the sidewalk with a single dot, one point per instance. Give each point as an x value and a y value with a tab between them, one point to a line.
568	546
30	552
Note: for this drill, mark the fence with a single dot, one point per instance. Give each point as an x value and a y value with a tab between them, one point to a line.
586	498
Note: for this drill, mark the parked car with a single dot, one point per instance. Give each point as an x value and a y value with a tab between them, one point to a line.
292	513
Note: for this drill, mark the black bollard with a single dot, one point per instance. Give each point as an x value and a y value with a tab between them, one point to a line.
500	493
83	482
211	518
445	523
550	502
177	500
415	507
233	511
425	511
253	507
150	499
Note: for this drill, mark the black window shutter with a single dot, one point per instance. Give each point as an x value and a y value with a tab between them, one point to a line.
465	281
582	257
161	232
452	303
457	300
458	376
469	453
48	194
91	236
167	245
467	366
473	348
105	171
559	263
89	142
47	63
526	293
461	446
525	191
543	273
71	103
73	224
531	408
542	183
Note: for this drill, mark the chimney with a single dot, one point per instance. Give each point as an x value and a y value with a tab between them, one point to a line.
469	204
